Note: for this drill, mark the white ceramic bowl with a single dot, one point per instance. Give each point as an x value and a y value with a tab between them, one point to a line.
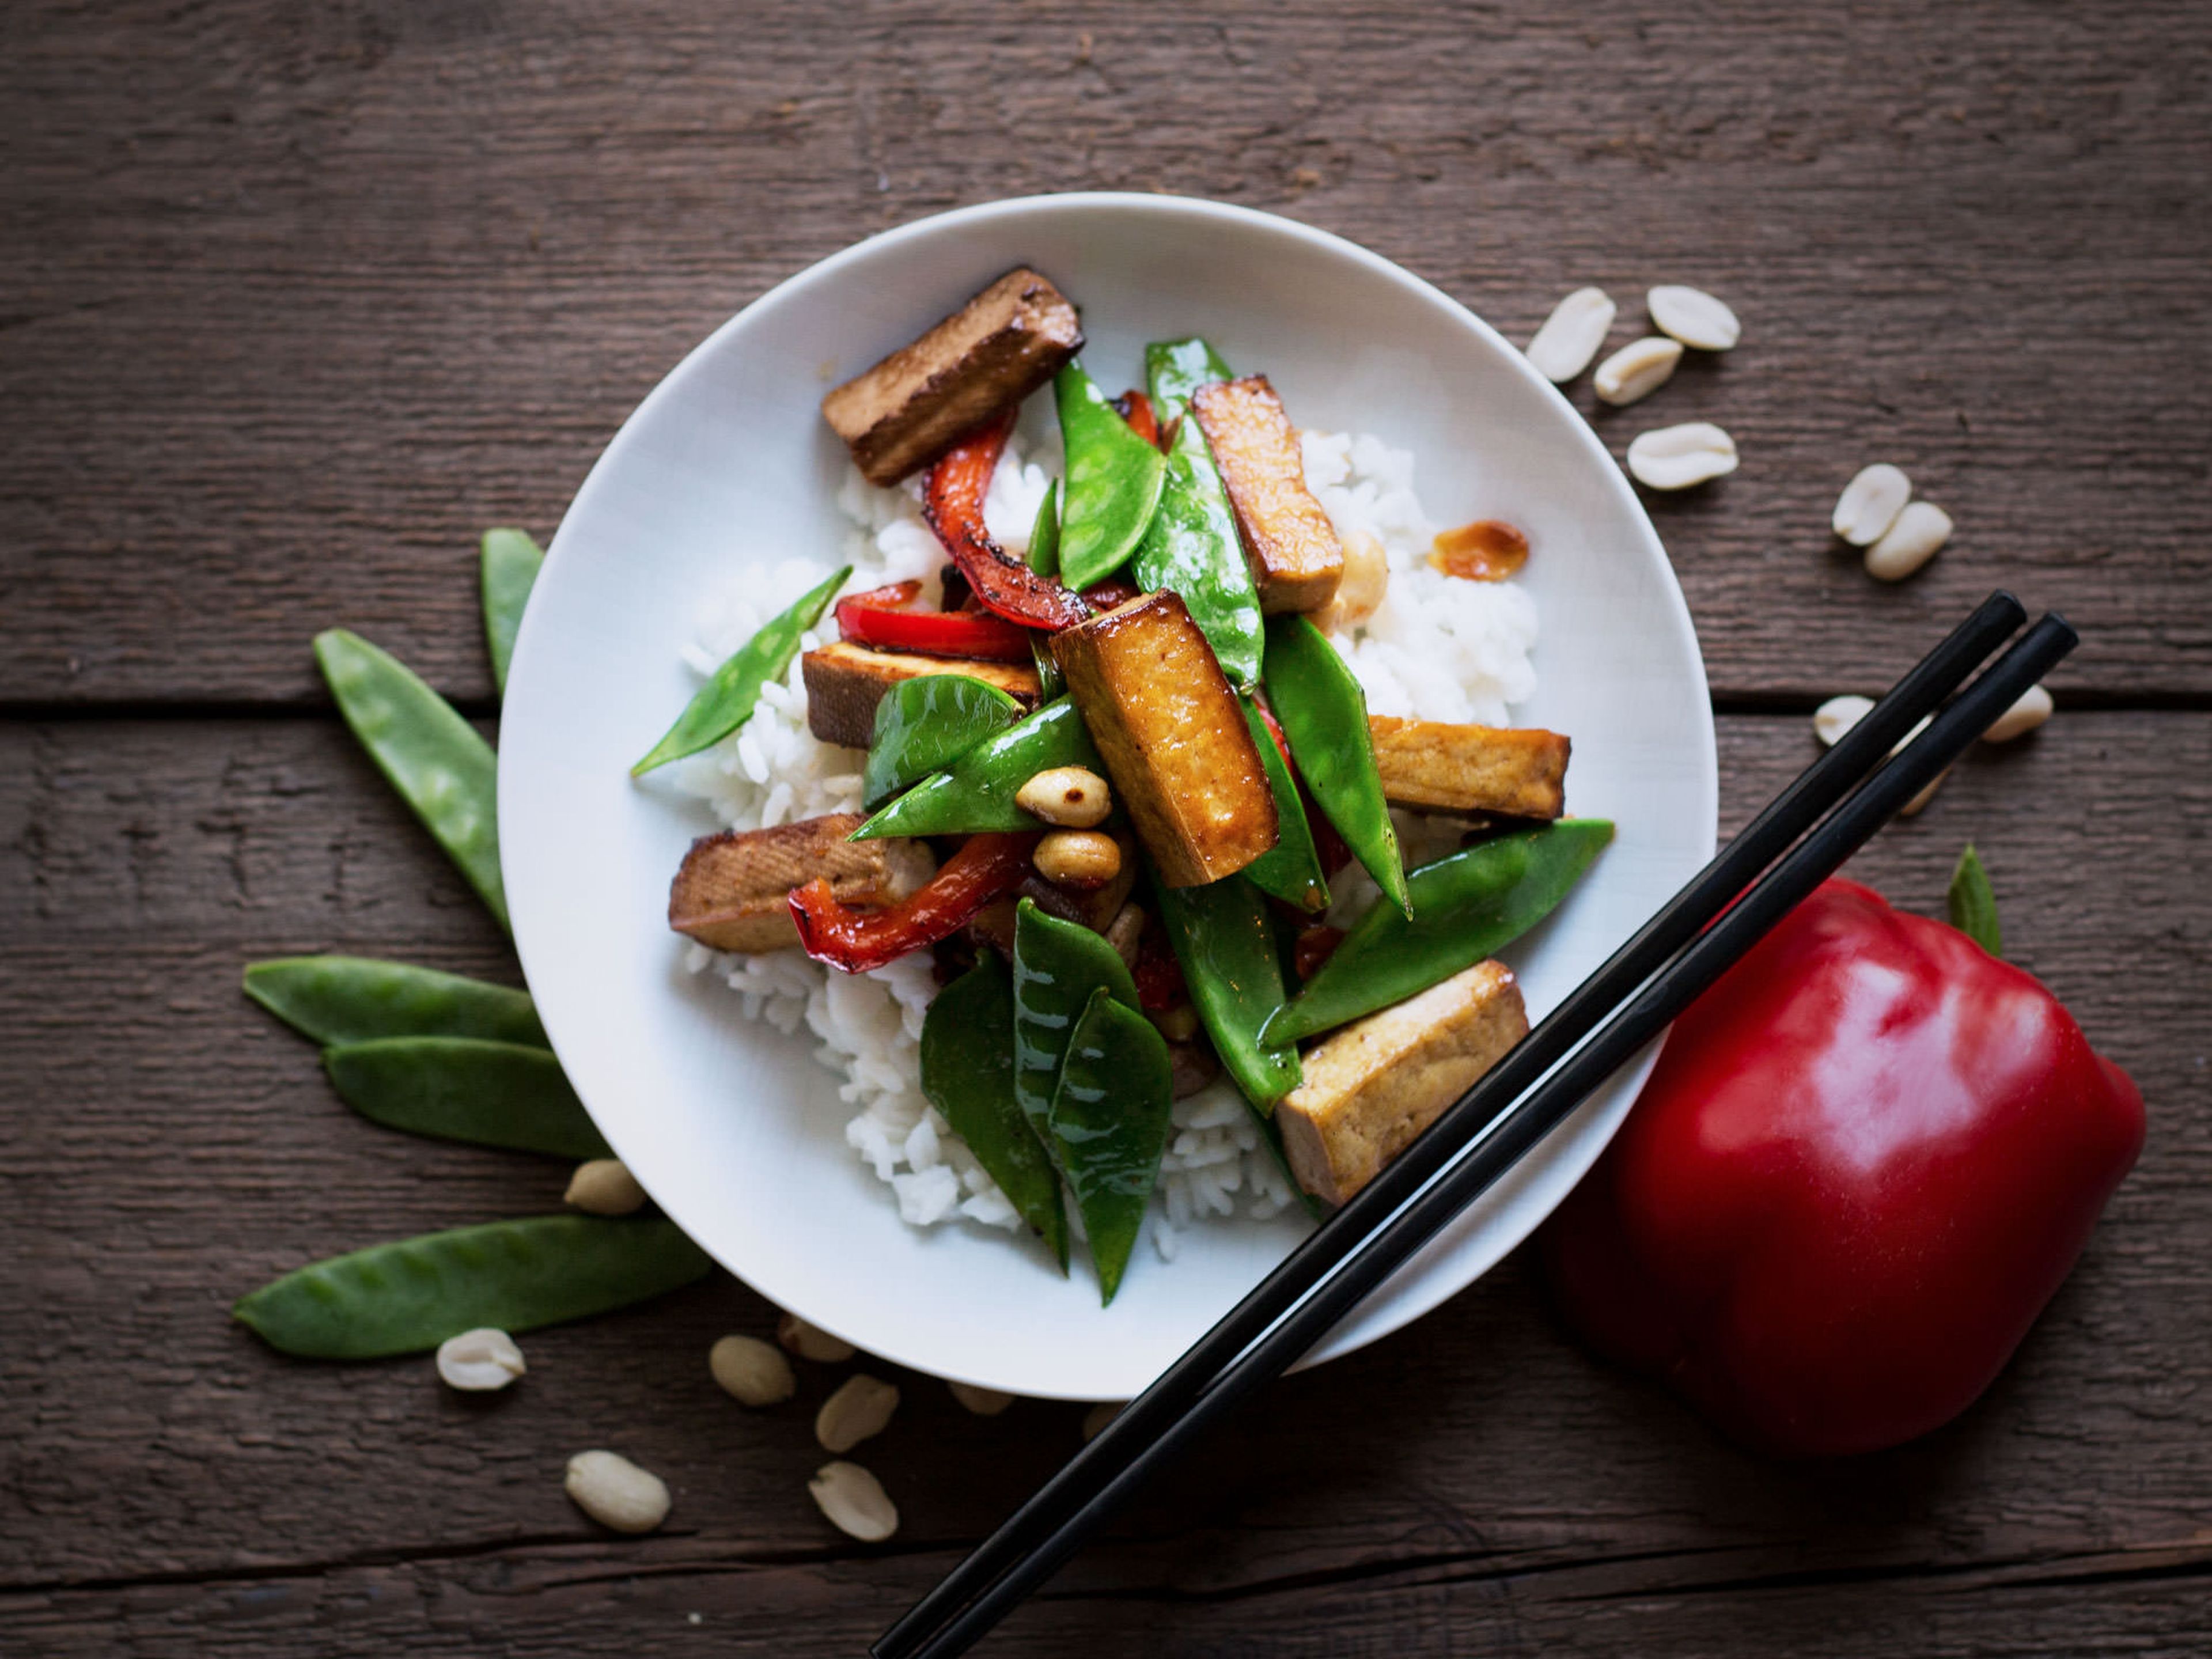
735	1130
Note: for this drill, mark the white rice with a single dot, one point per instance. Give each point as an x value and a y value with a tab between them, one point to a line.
1438	648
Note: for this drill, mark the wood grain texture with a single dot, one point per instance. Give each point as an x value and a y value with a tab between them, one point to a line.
173	1487
293	302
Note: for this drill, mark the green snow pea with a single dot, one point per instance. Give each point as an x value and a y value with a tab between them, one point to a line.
967	1073
507	570
1113	482
1323	713
725	702
1224	940
1044	534
976	794
437	760
1175	368
1193	546
411	1296
491	1094
926	723
1110	1117
354	999
1291	869
1467	905
1057	965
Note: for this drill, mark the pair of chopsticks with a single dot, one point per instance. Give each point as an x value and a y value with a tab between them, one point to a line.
1811	828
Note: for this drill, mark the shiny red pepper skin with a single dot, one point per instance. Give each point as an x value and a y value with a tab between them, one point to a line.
1137	409
952	502
879	617
1866	1159
858	940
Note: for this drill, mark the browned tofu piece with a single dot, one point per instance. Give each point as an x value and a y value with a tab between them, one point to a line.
1433	767
993	351
1173	737
845	682
1296	558
733	890
1370	1087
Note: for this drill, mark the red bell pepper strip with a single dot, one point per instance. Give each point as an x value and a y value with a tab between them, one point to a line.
1867	1158
877	618
952	502
858	940
1137	409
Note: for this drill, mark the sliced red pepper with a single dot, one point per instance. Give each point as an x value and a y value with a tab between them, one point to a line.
1137	409
1315	946
877	618
858	940
952	502
1158	974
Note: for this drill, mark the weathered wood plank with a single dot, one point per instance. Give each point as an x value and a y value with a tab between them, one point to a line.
172	1486
295	305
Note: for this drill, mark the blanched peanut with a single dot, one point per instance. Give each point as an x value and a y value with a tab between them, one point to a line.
811	1342
2032	708
1072	797
860	1410
479	1360
1915	537
1359	592
984	1402
1078	857
855	1502
604	1186
752	1373
615	1493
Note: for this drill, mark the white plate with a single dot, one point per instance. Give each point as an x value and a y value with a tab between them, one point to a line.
736	1131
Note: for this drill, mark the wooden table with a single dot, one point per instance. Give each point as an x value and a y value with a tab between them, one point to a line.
295	300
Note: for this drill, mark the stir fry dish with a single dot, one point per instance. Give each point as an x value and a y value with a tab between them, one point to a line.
1121	788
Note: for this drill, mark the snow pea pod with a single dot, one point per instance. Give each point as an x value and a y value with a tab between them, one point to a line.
1112	485
976	794
1110	1117
1467	905
437	760
1193	547
1044	534
506	571
354	999
1291	869
490	1094
925	724
409	1297
1175	368
1057	966
726	701
967	1073
1224	940
1324	713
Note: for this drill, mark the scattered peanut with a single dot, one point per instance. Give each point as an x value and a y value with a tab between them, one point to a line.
1099	1416
1078	857
1359	592
604	1186
479	1360
1919	532
616	1493
855	1502
811	1342
1072	797
1870	503
1637	370
860	1409
1837	716
1570	336
1487	550
751	1371
1693	317
1124	932
2030	711
984	1402
1678	457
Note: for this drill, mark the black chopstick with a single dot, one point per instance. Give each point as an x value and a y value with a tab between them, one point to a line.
1351	1254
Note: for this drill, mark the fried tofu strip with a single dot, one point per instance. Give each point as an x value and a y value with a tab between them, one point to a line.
845	682
1433	767
1370	1087
996	349
1173	737
1296	559
733	890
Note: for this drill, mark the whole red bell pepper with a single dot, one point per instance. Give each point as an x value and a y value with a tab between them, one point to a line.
857	940
1864	1162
